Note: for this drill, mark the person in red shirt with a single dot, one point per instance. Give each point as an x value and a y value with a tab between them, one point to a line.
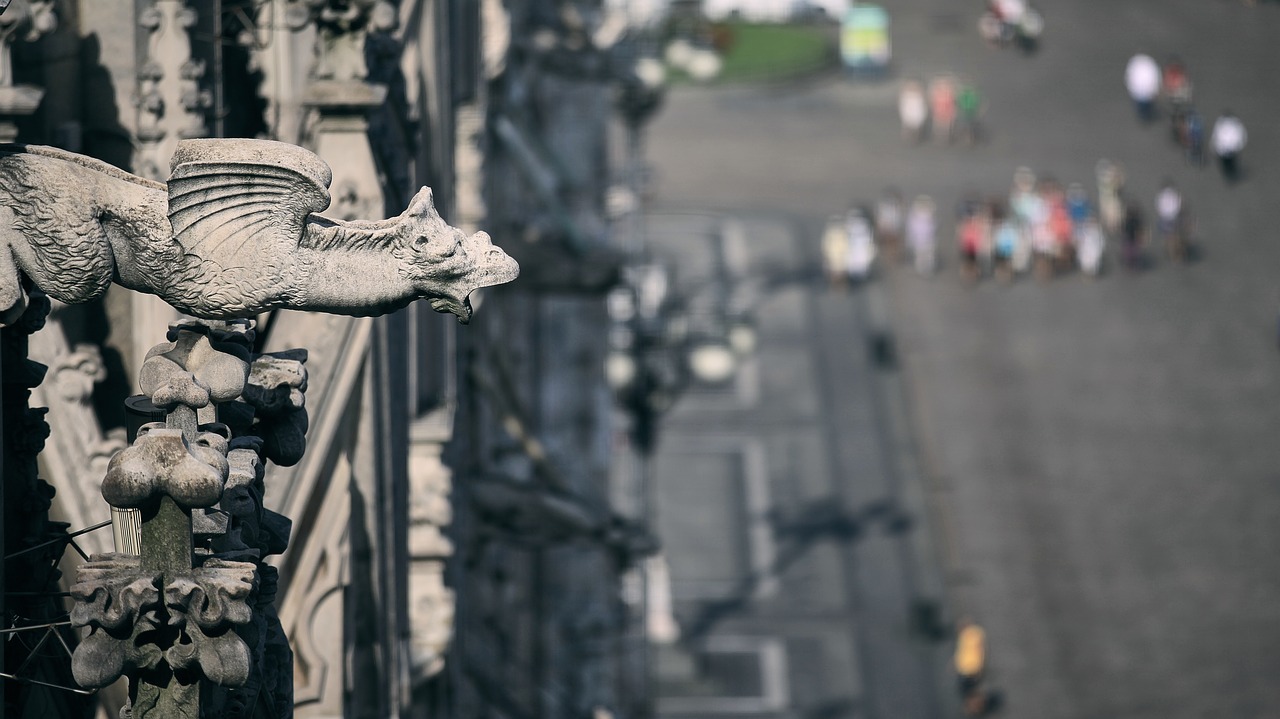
942	106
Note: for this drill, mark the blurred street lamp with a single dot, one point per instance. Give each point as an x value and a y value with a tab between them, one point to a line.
657	350
712	361
742	337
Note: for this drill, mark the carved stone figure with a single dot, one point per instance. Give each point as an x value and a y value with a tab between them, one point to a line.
231	235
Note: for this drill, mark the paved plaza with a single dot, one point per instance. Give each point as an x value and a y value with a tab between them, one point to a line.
1086	467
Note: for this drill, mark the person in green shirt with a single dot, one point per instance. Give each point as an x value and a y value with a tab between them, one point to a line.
968	112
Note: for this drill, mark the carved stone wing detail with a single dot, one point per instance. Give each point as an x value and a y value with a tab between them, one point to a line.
236	202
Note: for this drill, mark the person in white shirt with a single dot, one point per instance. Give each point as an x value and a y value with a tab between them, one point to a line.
1142	80
1228	139
1168	206
1170	220
913	110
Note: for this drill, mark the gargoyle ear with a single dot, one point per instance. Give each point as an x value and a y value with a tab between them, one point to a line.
422	206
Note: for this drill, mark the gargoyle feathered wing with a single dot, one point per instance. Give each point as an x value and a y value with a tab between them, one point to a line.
244	203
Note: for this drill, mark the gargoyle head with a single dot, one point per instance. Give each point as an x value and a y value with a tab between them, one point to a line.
444	264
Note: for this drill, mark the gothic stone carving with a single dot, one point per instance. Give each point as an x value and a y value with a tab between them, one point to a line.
170	101
342	29
277	392
179	614
230	236
138	618
25	20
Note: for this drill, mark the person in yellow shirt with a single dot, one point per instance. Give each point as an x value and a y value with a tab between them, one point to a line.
970	662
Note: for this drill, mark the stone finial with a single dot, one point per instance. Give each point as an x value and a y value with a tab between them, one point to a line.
162	463
181	615
192	372
169	98
231	235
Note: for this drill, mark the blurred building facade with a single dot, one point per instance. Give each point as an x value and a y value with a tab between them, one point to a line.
454	550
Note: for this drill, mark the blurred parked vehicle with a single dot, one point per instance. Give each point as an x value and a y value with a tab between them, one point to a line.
864	39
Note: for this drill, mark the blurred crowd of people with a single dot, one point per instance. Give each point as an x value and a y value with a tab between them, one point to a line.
1042	228
948	109
1151	84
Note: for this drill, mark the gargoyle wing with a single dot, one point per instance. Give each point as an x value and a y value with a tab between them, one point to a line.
240	203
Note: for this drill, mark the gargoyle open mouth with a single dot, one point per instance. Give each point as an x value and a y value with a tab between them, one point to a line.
448	304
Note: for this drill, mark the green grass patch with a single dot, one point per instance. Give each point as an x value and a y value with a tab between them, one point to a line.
772	52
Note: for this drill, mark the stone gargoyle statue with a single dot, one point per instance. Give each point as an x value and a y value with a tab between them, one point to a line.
232	234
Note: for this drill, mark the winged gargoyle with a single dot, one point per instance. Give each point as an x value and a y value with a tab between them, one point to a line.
231	235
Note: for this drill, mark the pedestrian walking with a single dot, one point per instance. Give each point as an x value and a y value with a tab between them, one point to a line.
1063	230
835	251
1175	83
1025	205
1005	241
1110	177
1078	207
968	114
942	106
1170	220
913	110
1228	139
971	237
889	218
922	234
1142	80
1132	235
1090	246
1194	129
861	251
970	662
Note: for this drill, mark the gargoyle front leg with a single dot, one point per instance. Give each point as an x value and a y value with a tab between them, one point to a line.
13	300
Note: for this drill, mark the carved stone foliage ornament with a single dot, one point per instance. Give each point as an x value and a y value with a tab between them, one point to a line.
231	235
191	619
139	618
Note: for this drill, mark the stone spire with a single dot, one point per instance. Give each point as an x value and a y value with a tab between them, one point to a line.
171	104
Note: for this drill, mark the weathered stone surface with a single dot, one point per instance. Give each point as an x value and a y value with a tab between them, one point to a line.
190	371
188	623
230	236
160	462
117	601
205	606
342	30
277	392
